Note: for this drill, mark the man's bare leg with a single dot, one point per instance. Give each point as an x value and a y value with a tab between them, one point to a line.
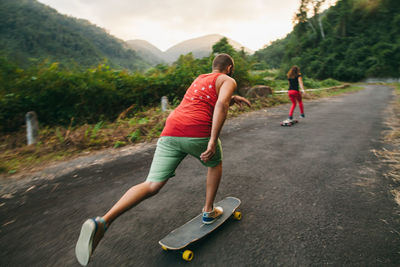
131	198
213	179
92	230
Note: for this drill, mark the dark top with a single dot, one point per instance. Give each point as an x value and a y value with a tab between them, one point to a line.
294	83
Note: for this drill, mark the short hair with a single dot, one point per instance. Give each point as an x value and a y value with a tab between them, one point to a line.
222	61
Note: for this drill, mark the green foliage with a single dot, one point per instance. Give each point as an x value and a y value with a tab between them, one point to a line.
134	136
329	83
143	121
362	39
59	135
119	144
242	61
31	32
271	56
223	46
96	128
62	95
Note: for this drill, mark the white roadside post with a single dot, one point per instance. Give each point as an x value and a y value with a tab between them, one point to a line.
164	103
32	127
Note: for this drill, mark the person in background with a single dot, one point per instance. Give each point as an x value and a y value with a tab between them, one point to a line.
295	81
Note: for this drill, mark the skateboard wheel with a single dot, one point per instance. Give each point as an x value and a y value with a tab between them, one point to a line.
164	248
237	215
187	255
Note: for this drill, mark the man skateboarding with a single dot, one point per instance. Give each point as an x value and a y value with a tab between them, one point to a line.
192	128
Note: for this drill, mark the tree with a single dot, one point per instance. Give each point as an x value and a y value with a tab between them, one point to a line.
242	64
315	19
359	39
223	46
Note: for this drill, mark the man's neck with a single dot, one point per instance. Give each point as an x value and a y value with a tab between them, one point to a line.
218	71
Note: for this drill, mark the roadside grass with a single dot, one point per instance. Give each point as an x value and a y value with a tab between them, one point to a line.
391	156
62	143
59	143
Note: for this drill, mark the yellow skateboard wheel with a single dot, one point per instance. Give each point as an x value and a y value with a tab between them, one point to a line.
164	248
237	215
187	255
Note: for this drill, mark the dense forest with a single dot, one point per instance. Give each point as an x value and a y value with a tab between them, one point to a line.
31	32
60	95
350	41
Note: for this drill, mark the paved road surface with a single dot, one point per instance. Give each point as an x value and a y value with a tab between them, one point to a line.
312	194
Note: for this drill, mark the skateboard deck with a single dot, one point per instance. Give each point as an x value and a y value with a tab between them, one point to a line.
195	229
284	123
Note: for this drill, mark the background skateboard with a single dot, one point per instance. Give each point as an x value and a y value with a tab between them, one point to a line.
284	123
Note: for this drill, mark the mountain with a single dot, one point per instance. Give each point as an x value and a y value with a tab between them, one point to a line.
146	50
31	32
200	47
351	41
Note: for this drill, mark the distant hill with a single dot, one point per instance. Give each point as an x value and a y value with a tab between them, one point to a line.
31	31
351	41
148	51
200	47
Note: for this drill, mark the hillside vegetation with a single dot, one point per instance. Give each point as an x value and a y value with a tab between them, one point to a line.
61	95
350	41
31	32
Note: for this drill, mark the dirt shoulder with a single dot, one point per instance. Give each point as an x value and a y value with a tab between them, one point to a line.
390	155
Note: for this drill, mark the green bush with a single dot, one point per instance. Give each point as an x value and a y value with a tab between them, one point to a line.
310	83
330	83
61	96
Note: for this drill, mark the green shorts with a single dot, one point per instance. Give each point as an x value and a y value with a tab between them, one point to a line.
171	151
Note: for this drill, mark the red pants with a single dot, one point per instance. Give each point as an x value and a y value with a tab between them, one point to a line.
295	96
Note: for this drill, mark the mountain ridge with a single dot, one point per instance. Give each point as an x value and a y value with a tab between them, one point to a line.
199	46
147	50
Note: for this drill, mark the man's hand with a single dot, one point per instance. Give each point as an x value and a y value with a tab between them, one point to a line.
239	100
210	152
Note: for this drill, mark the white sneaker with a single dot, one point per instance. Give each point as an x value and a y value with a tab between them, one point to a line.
210	217
92	232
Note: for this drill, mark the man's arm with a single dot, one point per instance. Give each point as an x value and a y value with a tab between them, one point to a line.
239	100
220	112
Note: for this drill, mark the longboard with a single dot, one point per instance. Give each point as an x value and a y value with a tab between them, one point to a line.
285	123
195	229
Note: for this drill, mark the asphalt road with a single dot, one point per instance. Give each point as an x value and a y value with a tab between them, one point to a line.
312	194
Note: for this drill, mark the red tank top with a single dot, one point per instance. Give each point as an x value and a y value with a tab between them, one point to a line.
193	116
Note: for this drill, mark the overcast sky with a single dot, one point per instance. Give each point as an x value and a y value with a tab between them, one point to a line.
164	23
